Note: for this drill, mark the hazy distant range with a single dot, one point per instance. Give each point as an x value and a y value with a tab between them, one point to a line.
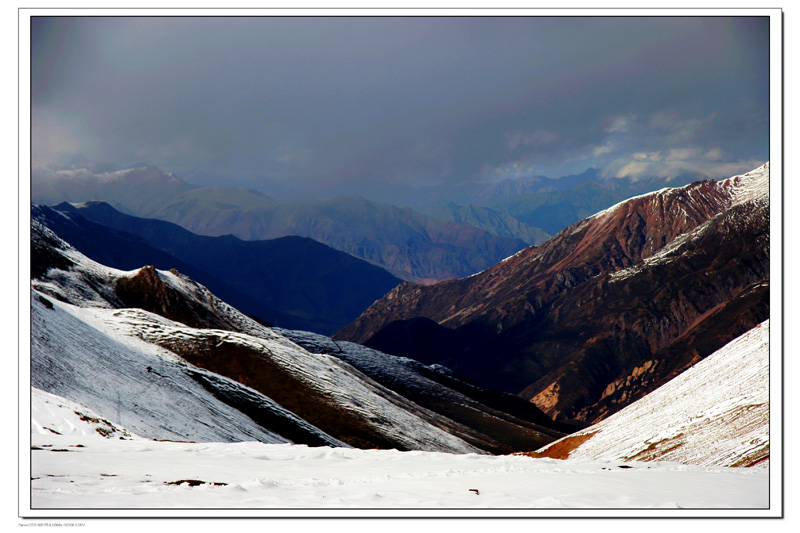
432	234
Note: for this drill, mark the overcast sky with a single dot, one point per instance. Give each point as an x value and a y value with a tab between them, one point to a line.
317	102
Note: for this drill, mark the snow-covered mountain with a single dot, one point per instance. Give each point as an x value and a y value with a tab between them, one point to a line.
713	414
232	378
605	311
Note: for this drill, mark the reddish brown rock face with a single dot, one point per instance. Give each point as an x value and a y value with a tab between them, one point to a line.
146	290
606	310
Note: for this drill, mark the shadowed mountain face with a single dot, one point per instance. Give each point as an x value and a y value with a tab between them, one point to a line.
127	251
606	310
293	282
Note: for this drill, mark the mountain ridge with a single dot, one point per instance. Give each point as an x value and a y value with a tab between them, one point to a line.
254	370
408	244
294	281
550	300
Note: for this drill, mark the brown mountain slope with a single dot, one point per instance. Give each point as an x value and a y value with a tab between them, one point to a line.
608	308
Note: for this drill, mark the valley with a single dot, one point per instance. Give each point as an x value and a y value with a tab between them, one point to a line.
547	357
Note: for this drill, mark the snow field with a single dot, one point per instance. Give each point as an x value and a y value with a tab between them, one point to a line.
134	474
80	469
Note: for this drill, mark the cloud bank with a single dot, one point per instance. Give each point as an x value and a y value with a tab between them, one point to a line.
312	103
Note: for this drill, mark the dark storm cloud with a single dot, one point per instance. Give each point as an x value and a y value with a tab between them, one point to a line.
331	100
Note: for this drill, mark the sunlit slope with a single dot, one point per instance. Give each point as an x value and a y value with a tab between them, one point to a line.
716	413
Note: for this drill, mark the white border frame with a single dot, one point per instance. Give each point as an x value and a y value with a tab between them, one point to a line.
776	268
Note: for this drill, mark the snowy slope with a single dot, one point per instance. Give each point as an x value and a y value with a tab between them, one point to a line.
400	402
113	362
749	187
715	413
51	414
131	363
133	474
491	420
133	383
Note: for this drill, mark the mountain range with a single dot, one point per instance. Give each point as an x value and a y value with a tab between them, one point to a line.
537	204
493	221
136	345
408	244
605	311
646	312
420	234
293	282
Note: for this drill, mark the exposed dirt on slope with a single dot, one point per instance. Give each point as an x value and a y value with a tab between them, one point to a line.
146	290
562	448
256	369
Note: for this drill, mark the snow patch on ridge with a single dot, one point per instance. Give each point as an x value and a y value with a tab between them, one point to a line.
668	253
752	186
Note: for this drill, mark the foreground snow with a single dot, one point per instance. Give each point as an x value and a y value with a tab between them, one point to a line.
81	469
